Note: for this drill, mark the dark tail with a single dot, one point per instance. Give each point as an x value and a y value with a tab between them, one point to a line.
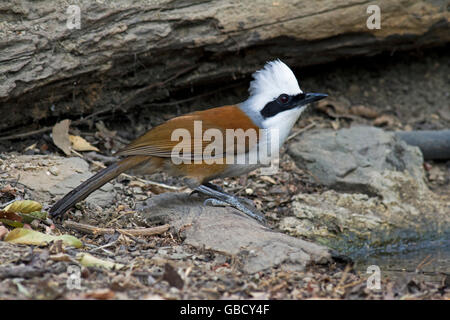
93	183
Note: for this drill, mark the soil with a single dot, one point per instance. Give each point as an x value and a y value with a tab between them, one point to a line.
410	90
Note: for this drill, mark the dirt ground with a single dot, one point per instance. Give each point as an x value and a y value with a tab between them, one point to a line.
406	91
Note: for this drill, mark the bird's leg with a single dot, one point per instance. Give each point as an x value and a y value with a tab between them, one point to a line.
211	186
220	198
214	187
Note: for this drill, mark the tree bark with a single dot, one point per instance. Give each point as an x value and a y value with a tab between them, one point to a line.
129	53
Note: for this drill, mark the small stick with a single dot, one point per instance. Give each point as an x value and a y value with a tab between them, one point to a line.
309	126
120	216
135	232
158	184
352	284
424	262
172	103
48	129
343	278
104	246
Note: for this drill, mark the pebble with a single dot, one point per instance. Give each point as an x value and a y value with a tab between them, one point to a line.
137	190
150	280
28	166
54	170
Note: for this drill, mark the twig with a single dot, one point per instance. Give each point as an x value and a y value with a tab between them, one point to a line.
104	251
158	84
21	272
48	129
158	184
352	284
26	134
104	246
135	232
309	126
120	216
344	277
424	262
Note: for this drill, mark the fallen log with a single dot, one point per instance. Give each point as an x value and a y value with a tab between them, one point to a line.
130	53
435	145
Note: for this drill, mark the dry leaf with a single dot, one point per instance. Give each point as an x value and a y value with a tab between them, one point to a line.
88	260
29	217
11	219
268	179
27	236
61	257
136	183
100	294
383	121
33	146
10	215
24	206
336	124
8	190
80	144
156	189
60	136
364	112
332	108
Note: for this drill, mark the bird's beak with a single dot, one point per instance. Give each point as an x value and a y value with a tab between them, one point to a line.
311	97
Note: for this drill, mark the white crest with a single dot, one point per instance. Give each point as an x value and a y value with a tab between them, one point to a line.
274	79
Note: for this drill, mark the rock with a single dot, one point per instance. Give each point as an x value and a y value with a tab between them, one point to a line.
389	203
355	224
37	173
228	231
351	159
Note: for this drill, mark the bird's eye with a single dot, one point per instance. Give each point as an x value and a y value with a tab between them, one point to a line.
284	98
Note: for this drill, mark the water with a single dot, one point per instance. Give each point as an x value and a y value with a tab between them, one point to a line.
431	259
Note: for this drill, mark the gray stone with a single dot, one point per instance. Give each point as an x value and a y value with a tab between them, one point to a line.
389	200
228	231
348	159
37	174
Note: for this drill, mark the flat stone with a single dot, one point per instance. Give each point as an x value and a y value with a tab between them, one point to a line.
230	232
37	173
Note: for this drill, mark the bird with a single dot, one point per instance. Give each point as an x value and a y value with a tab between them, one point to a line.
274	105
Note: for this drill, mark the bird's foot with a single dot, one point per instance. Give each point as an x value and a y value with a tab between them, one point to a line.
220	198
213	202
214	187
210	186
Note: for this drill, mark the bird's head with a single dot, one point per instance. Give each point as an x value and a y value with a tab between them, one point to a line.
276	100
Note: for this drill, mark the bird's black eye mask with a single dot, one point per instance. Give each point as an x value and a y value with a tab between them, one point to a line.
284	102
